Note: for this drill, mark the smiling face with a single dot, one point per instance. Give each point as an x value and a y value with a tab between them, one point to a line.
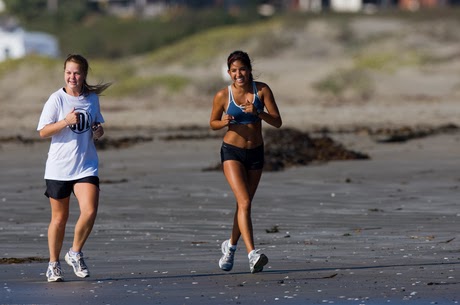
239	73
74	78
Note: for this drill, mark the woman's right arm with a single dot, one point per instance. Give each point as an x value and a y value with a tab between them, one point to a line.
217	121
53	128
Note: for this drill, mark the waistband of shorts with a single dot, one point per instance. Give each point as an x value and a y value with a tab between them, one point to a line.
239	148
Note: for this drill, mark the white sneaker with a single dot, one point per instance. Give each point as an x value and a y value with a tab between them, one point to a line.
226	261
54	272
257	261
77	263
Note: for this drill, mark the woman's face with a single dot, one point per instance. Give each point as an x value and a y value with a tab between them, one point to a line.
239	73
73	76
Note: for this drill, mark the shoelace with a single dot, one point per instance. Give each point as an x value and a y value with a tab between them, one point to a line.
81	262
229	255
57	269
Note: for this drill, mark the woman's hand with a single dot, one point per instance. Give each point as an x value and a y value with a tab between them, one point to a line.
98	131
249	108
51	129
227	119
72	118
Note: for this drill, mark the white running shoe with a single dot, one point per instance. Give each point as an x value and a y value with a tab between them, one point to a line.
54	272
257	261
77	263
226	261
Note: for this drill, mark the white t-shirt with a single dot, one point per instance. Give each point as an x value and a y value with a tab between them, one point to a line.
72	154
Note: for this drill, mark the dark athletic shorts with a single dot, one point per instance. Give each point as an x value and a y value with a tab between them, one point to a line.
62	189
252	159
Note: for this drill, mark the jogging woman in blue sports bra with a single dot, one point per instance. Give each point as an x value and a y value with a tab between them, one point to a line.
241	107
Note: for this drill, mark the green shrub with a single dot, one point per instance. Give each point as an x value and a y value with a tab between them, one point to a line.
346	84
136	86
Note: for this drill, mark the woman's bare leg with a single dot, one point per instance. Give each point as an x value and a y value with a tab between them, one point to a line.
56	229
88	199
244	185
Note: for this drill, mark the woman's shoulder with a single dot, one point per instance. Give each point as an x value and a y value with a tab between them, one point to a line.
58	92
262	87
57	95
92	96
222	93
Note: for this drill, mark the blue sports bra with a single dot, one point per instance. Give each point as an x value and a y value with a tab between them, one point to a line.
235	110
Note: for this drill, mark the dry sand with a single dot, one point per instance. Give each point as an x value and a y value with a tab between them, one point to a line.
397	72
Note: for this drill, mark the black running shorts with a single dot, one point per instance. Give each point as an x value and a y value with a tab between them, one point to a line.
62	189
252	159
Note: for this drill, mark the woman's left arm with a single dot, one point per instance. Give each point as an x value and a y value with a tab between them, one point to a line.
272	116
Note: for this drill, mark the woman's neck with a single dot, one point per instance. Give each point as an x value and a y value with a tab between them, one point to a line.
243	88
73	92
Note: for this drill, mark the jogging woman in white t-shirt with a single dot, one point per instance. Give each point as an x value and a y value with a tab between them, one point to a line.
72	118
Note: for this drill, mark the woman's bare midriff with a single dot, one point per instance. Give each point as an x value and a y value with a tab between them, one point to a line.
245	136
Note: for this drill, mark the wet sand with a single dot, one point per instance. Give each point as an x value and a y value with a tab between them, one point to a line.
378	231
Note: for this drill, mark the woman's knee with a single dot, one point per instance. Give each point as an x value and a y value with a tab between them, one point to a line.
244	205
59	221
89	213
88	207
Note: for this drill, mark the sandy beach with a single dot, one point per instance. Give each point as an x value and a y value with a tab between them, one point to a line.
384	230
378	231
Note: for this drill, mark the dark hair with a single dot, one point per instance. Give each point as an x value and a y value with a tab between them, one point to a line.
83	63
241	56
